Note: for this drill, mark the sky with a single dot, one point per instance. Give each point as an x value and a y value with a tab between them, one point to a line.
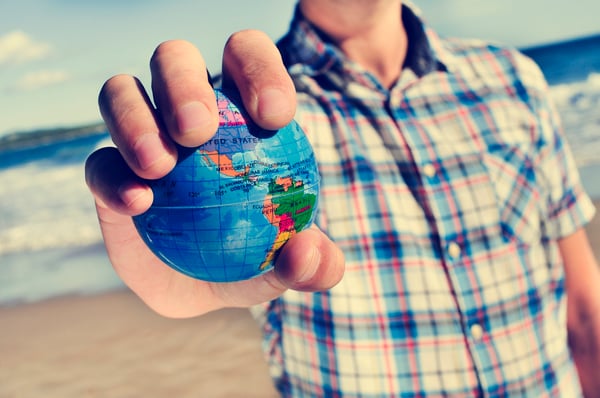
56	54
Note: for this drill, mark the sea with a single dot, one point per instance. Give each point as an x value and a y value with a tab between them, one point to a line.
50	243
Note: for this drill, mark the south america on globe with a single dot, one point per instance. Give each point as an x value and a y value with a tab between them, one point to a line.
227	208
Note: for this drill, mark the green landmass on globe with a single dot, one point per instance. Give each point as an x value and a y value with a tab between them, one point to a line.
226	210
289	212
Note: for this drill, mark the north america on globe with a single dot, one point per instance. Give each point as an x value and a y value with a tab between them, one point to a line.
226	210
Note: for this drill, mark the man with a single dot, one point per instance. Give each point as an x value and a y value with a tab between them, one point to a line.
446	183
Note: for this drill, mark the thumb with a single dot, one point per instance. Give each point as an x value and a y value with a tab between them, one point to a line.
309	261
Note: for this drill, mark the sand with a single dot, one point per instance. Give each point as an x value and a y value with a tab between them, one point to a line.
111	345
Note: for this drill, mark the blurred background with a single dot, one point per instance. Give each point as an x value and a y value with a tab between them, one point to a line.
55	55
67	326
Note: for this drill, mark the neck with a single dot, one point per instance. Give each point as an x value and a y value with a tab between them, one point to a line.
369	32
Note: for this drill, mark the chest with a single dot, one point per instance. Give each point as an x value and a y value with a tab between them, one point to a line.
450	162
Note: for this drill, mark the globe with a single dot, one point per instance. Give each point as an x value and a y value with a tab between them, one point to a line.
227	208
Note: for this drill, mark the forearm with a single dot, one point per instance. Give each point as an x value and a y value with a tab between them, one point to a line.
583	309
584	342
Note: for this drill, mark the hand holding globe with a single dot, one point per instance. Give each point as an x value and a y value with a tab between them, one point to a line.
150	137
226	209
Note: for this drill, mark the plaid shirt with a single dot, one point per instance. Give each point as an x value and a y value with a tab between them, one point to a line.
447	194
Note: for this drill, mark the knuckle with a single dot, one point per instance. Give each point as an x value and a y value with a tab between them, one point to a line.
252	55
177	70
130	115
123	105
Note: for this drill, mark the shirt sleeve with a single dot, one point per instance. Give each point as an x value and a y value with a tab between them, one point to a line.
568	207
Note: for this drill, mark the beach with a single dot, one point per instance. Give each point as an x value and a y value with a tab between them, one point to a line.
112	345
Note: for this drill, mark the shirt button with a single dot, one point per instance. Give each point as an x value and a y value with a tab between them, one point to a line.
429	170
454	250
476	331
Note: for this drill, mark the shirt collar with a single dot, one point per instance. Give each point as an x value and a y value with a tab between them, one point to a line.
307	50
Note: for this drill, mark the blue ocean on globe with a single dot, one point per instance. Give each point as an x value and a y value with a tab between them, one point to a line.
229	205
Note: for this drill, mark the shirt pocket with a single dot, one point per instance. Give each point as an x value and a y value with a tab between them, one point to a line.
512	172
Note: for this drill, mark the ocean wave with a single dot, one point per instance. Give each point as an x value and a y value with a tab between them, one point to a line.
37	237
45	208
50	242
578	104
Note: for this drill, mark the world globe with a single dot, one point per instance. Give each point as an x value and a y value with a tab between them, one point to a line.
227	208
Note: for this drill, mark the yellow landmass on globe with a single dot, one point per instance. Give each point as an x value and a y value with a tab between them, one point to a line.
285	229
282	237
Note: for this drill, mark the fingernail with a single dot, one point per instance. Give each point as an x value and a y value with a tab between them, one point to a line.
192	117
149	149
272	103
311	266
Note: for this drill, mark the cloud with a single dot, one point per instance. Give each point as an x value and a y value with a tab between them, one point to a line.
17	47
35	80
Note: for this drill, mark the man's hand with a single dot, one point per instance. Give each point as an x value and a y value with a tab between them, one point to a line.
183	110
